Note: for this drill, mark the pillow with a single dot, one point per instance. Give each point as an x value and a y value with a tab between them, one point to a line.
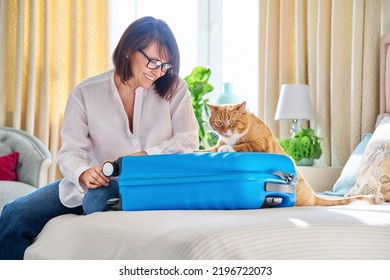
8	165
374	169
348	175
382	119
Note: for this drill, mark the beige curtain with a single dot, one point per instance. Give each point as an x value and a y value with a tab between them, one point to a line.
47	47
334	47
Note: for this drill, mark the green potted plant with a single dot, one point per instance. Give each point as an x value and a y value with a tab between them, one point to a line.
199	87
304	147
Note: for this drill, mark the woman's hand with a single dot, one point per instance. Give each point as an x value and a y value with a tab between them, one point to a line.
142	153
94	178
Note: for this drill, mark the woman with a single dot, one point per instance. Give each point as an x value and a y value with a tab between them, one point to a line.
141	107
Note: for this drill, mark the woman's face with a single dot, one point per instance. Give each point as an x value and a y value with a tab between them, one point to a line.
143	76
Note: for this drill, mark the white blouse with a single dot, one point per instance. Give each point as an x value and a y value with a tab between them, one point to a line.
96	128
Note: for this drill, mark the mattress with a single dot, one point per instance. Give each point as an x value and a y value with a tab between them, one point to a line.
356	231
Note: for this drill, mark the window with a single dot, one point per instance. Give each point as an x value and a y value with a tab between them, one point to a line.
240	48
208	32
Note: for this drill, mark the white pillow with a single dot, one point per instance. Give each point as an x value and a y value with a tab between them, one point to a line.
374	169
349	173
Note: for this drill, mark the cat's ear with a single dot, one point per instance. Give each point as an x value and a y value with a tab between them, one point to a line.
242	107
212	108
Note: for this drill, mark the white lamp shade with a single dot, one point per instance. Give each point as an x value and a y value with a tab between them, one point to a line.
294	103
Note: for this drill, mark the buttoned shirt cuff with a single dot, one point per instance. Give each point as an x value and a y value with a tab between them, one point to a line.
76	178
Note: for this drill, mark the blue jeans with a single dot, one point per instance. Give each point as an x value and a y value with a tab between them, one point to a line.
22	219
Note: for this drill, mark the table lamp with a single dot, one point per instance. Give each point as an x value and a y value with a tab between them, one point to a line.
294	104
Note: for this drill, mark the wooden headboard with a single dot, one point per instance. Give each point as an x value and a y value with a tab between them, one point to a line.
385	74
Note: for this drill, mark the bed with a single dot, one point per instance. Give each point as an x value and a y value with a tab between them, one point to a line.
356	231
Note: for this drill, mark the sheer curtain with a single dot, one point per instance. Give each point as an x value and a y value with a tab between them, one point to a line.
334	47
47	48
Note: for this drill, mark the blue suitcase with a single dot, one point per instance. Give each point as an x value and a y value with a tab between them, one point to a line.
204	181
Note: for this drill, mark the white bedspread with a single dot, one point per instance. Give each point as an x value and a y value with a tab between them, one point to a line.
357	231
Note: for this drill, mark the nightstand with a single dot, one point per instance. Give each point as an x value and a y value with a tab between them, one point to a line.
320	178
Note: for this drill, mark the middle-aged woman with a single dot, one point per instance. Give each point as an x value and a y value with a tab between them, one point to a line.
141	107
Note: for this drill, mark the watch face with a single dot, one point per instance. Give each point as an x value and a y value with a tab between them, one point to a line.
108	168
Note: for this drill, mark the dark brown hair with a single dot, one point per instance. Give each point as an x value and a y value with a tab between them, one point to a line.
139	35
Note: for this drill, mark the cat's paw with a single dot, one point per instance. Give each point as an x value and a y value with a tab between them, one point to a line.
225	149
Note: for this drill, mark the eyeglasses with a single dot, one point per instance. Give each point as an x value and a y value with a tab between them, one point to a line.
155	64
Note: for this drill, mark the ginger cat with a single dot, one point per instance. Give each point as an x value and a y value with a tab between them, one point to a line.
241	131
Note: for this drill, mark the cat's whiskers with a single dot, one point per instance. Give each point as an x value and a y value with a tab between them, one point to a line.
231	140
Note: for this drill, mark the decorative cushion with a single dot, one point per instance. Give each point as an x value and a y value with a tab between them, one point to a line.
8	165
374	169
348	175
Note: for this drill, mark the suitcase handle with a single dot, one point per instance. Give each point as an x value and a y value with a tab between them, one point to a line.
287	177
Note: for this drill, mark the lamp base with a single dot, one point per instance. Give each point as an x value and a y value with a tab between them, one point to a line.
306	162
295	127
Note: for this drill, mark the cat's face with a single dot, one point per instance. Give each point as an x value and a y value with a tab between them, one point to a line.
229	120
